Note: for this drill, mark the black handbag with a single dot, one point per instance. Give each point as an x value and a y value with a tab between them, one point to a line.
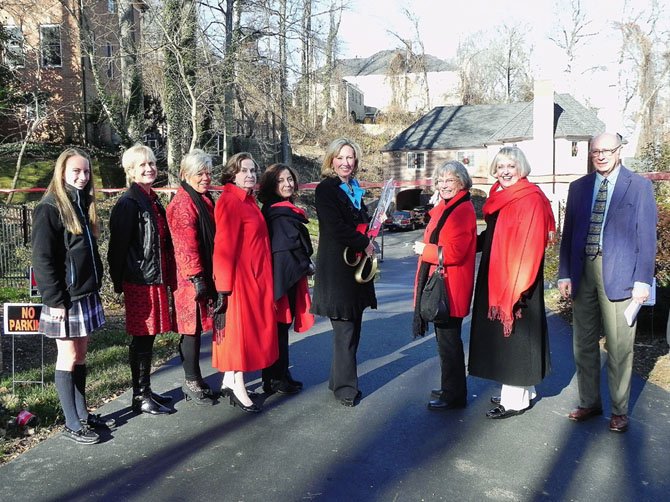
434	300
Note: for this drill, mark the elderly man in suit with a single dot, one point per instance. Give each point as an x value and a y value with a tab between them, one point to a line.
607	258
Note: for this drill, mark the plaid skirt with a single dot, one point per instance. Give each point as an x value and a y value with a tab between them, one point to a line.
84	317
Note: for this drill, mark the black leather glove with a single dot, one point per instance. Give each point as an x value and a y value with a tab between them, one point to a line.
200	286
219	312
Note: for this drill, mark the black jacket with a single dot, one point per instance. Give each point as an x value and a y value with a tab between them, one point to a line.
336	292
67	266
290	243
134	253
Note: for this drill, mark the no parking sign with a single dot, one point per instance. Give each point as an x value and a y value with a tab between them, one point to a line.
22	318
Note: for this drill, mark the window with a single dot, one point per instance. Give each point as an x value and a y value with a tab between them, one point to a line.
466	157
575	149
416	160
13	55
109	52
50	45
111	6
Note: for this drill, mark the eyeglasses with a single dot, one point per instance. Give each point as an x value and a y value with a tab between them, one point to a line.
447	181
604	152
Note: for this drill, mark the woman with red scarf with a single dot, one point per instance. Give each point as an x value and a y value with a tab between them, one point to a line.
190	217
508	338
291	264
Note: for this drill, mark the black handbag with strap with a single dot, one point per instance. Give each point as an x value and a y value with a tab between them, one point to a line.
434	300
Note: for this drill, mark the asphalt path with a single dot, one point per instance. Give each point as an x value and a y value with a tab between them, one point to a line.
388	448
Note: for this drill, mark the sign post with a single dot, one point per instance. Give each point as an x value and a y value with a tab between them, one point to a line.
23	319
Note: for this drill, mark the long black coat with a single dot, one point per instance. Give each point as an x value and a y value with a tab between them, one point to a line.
336	293
521	359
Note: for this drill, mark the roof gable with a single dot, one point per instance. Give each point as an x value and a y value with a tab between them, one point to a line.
474	126
379	63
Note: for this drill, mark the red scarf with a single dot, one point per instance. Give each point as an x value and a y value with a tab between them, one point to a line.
521	235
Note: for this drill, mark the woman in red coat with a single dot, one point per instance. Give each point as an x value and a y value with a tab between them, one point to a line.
246	338
453	230
190	217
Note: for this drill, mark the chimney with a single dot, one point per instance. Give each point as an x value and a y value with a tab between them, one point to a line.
542	156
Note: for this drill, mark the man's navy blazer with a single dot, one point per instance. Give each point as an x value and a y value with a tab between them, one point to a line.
629	234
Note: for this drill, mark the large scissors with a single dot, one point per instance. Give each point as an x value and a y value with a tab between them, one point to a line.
375	225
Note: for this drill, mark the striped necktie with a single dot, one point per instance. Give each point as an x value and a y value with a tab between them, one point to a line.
596	223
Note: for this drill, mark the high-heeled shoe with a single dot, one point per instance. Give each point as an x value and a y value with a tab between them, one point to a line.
234	401
193	392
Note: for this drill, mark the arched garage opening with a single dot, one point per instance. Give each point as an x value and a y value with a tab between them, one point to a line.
408	199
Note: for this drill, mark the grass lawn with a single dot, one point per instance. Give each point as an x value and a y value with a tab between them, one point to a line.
37	170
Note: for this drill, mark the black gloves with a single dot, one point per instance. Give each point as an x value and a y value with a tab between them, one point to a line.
200	286
219	312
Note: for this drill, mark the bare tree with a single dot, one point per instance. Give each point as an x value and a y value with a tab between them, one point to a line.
179	101
644	48
496	68
571	30
410	70
131	75
335	17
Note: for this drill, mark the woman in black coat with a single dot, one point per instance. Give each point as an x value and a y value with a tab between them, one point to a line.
141	265
343	219
68	271
291	264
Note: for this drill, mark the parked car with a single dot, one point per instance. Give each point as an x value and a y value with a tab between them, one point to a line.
400	220
420	215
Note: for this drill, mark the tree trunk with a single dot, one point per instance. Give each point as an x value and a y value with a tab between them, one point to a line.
131	76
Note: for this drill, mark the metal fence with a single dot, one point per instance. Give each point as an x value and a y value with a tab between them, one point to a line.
15	226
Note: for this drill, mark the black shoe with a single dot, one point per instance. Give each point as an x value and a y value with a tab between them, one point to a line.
295	383
438	404
351	401
207	390
142	404
495	399
96	421
436	393
227	391
280	387
500	412
268	387
287	387
193	392
82	436
161	398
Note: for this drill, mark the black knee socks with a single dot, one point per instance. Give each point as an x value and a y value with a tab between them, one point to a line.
79	382
65	388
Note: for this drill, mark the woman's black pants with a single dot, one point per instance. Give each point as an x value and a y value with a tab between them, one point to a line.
343	370
452	360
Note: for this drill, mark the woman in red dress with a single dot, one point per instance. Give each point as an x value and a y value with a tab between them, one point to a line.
245	331
190	217
141	265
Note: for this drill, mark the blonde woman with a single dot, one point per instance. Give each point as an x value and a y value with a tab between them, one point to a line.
68	271
343	219
141	264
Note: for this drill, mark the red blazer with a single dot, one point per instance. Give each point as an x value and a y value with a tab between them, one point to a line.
182	217
458	240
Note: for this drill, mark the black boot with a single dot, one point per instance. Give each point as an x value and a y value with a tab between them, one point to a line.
144	402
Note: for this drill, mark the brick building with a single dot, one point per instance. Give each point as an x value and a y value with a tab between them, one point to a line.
47	50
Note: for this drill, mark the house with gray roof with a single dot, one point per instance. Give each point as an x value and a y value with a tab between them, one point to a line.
392	79
553	130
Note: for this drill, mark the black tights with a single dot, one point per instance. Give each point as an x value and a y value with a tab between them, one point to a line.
189	349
